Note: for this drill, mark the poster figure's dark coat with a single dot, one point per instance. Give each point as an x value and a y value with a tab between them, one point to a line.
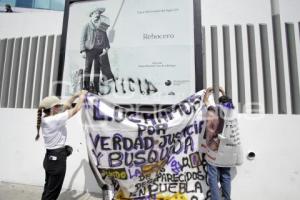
88	38
93	41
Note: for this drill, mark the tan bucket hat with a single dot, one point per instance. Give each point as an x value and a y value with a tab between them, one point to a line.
49	102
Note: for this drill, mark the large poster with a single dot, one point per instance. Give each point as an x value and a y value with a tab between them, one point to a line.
131	51
158	155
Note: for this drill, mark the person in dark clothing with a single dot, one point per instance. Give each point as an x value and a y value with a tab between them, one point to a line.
94	48
53	125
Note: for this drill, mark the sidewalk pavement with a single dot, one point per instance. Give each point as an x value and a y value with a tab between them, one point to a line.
11	191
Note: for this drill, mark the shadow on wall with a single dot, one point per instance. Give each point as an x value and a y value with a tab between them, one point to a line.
73	194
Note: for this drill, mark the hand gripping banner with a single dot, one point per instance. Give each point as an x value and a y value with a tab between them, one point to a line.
149	155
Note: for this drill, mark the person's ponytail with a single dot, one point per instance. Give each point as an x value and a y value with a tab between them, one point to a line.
38	125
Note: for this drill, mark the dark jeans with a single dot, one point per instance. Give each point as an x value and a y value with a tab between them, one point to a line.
216	174
100	64
55	170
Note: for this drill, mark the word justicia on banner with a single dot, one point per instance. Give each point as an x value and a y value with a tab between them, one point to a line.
153	155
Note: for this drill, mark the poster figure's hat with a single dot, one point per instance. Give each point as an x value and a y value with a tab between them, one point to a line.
100	10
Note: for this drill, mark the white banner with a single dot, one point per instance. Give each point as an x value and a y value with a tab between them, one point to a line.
150	50
154	155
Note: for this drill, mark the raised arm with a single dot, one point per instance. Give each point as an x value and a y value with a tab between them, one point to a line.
68	104
77	108
208	92
222	90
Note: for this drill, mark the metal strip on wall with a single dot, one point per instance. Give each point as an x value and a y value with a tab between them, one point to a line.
227	60
48	64
14	74
293	67
3	44
215	61
23	72
7	73
30	73
55	65
280	80
39	72
240	68
253	68
204	57
267	80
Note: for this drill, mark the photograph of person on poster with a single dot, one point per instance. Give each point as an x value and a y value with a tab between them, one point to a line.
214	123
214	126
94	46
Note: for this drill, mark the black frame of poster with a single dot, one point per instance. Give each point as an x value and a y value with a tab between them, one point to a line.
197	38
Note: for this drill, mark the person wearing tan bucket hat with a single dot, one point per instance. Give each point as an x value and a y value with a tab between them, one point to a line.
52	117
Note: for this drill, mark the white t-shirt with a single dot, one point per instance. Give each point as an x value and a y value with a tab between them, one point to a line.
54	130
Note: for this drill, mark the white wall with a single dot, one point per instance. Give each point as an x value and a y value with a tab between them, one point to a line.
289	10
273	174
22	157
218	12
247	11
30	23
